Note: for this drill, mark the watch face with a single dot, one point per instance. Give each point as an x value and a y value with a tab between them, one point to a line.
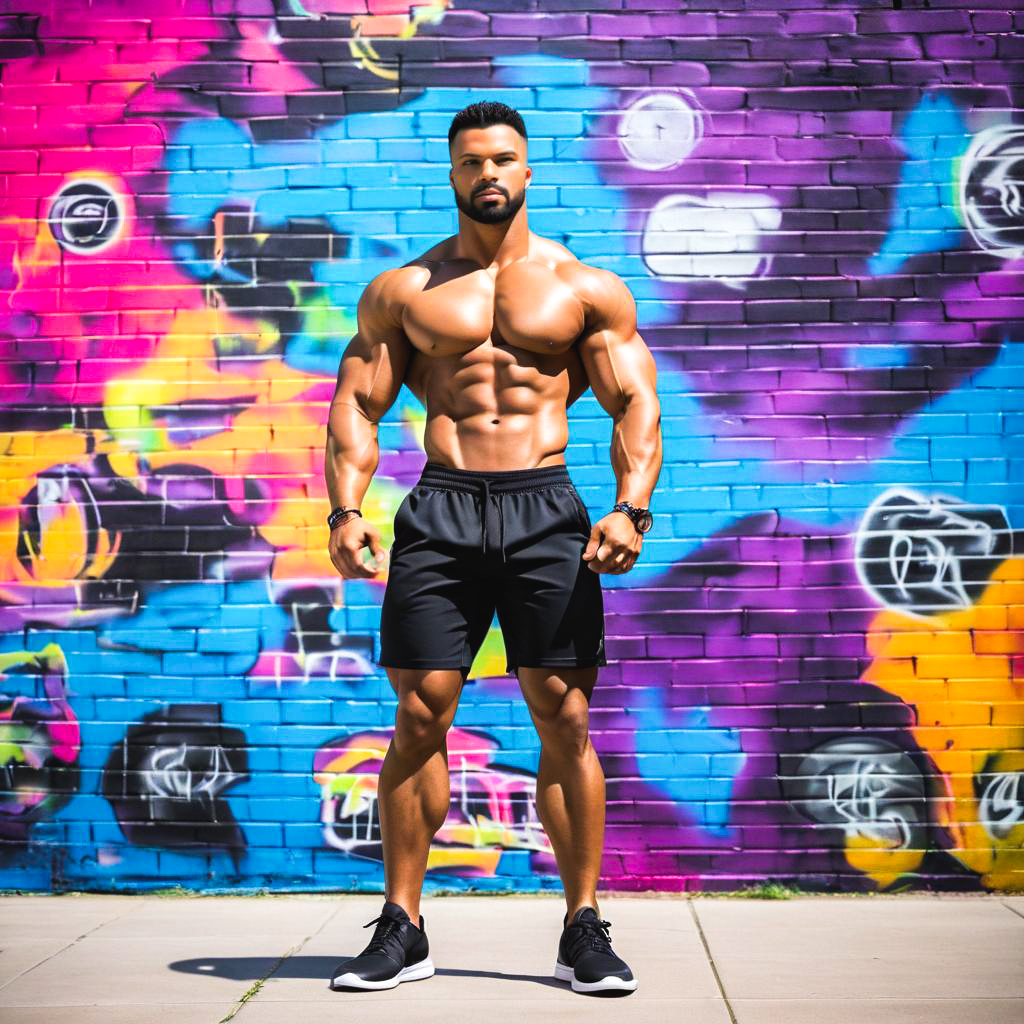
644	521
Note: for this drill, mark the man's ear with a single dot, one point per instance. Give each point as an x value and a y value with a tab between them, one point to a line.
529	176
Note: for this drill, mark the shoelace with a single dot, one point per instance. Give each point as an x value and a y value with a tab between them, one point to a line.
592	935
385	931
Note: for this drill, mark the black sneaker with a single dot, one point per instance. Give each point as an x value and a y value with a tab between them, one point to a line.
586	959
396	953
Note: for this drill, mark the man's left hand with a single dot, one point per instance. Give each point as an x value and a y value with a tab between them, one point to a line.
614	544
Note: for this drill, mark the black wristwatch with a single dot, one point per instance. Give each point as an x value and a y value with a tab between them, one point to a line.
642	518
342	515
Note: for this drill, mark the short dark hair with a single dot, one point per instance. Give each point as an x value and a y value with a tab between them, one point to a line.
483	115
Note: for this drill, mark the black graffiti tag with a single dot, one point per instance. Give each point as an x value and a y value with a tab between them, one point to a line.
924	555
166	779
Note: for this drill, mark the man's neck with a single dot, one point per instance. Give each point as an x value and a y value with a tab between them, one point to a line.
493	246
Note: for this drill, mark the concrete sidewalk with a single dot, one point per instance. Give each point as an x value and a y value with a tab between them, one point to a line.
83	959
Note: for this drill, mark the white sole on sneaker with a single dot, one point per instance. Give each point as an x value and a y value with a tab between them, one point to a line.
414	972
609	984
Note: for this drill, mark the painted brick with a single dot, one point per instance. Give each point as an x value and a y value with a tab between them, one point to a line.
833	330
539	25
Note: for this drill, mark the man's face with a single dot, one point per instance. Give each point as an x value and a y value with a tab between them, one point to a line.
489	173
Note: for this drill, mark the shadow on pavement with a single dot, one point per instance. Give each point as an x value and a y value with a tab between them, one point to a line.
252	968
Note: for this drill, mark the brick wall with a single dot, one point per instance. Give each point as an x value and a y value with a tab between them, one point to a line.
816	668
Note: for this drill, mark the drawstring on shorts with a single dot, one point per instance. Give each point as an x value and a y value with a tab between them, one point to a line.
485	518
488	485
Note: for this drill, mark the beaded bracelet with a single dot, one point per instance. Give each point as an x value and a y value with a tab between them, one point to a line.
342	515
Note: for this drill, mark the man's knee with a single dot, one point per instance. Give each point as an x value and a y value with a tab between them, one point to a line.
424	714
418	730
565	731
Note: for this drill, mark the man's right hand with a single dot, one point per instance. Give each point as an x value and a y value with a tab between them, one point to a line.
347	542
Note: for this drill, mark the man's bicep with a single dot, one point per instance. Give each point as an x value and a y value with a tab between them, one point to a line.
617	360
374	362
619	369
371	373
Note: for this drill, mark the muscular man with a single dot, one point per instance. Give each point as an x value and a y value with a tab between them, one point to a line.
497	331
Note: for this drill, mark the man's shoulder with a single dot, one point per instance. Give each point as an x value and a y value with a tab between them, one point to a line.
585	276
601	291
391	289
444	250
399	284
399	279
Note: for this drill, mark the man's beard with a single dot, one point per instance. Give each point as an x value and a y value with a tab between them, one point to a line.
492	213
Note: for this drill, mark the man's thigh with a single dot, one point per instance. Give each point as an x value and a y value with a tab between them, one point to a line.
435	613
550	603
552	614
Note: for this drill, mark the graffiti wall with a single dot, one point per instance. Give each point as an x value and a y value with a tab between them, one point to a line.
816	671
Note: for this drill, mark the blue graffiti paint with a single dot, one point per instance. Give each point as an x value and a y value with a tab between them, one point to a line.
923	218
675	752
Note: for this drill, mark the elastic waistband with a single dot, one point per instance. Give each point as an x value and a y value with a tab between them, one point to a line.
503	481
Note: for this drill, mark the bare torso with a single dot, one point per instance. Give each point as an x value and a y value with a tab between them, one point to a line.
497	331
494	357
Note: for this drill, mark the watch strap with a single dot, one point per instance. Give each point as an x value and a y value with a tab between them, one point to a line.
630	510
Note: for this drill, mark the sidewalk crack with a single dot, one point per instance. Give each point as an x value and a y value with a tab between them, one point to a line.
1012	909
67	946
711	961
258	983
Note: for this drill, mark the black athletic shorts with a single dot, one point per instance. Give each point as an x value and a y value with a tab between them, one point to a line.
469	543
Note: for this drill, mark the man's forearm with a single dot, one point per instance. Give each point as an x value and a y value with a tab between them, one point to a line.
636	450
352	455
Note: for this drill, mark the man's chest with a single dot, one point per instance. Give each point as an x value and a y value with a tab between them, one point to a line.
527	305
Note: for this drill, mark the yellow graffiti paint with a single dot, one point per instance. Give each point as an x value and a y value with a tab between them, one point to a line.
963	674
65	549
49	658
490	660
402	26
